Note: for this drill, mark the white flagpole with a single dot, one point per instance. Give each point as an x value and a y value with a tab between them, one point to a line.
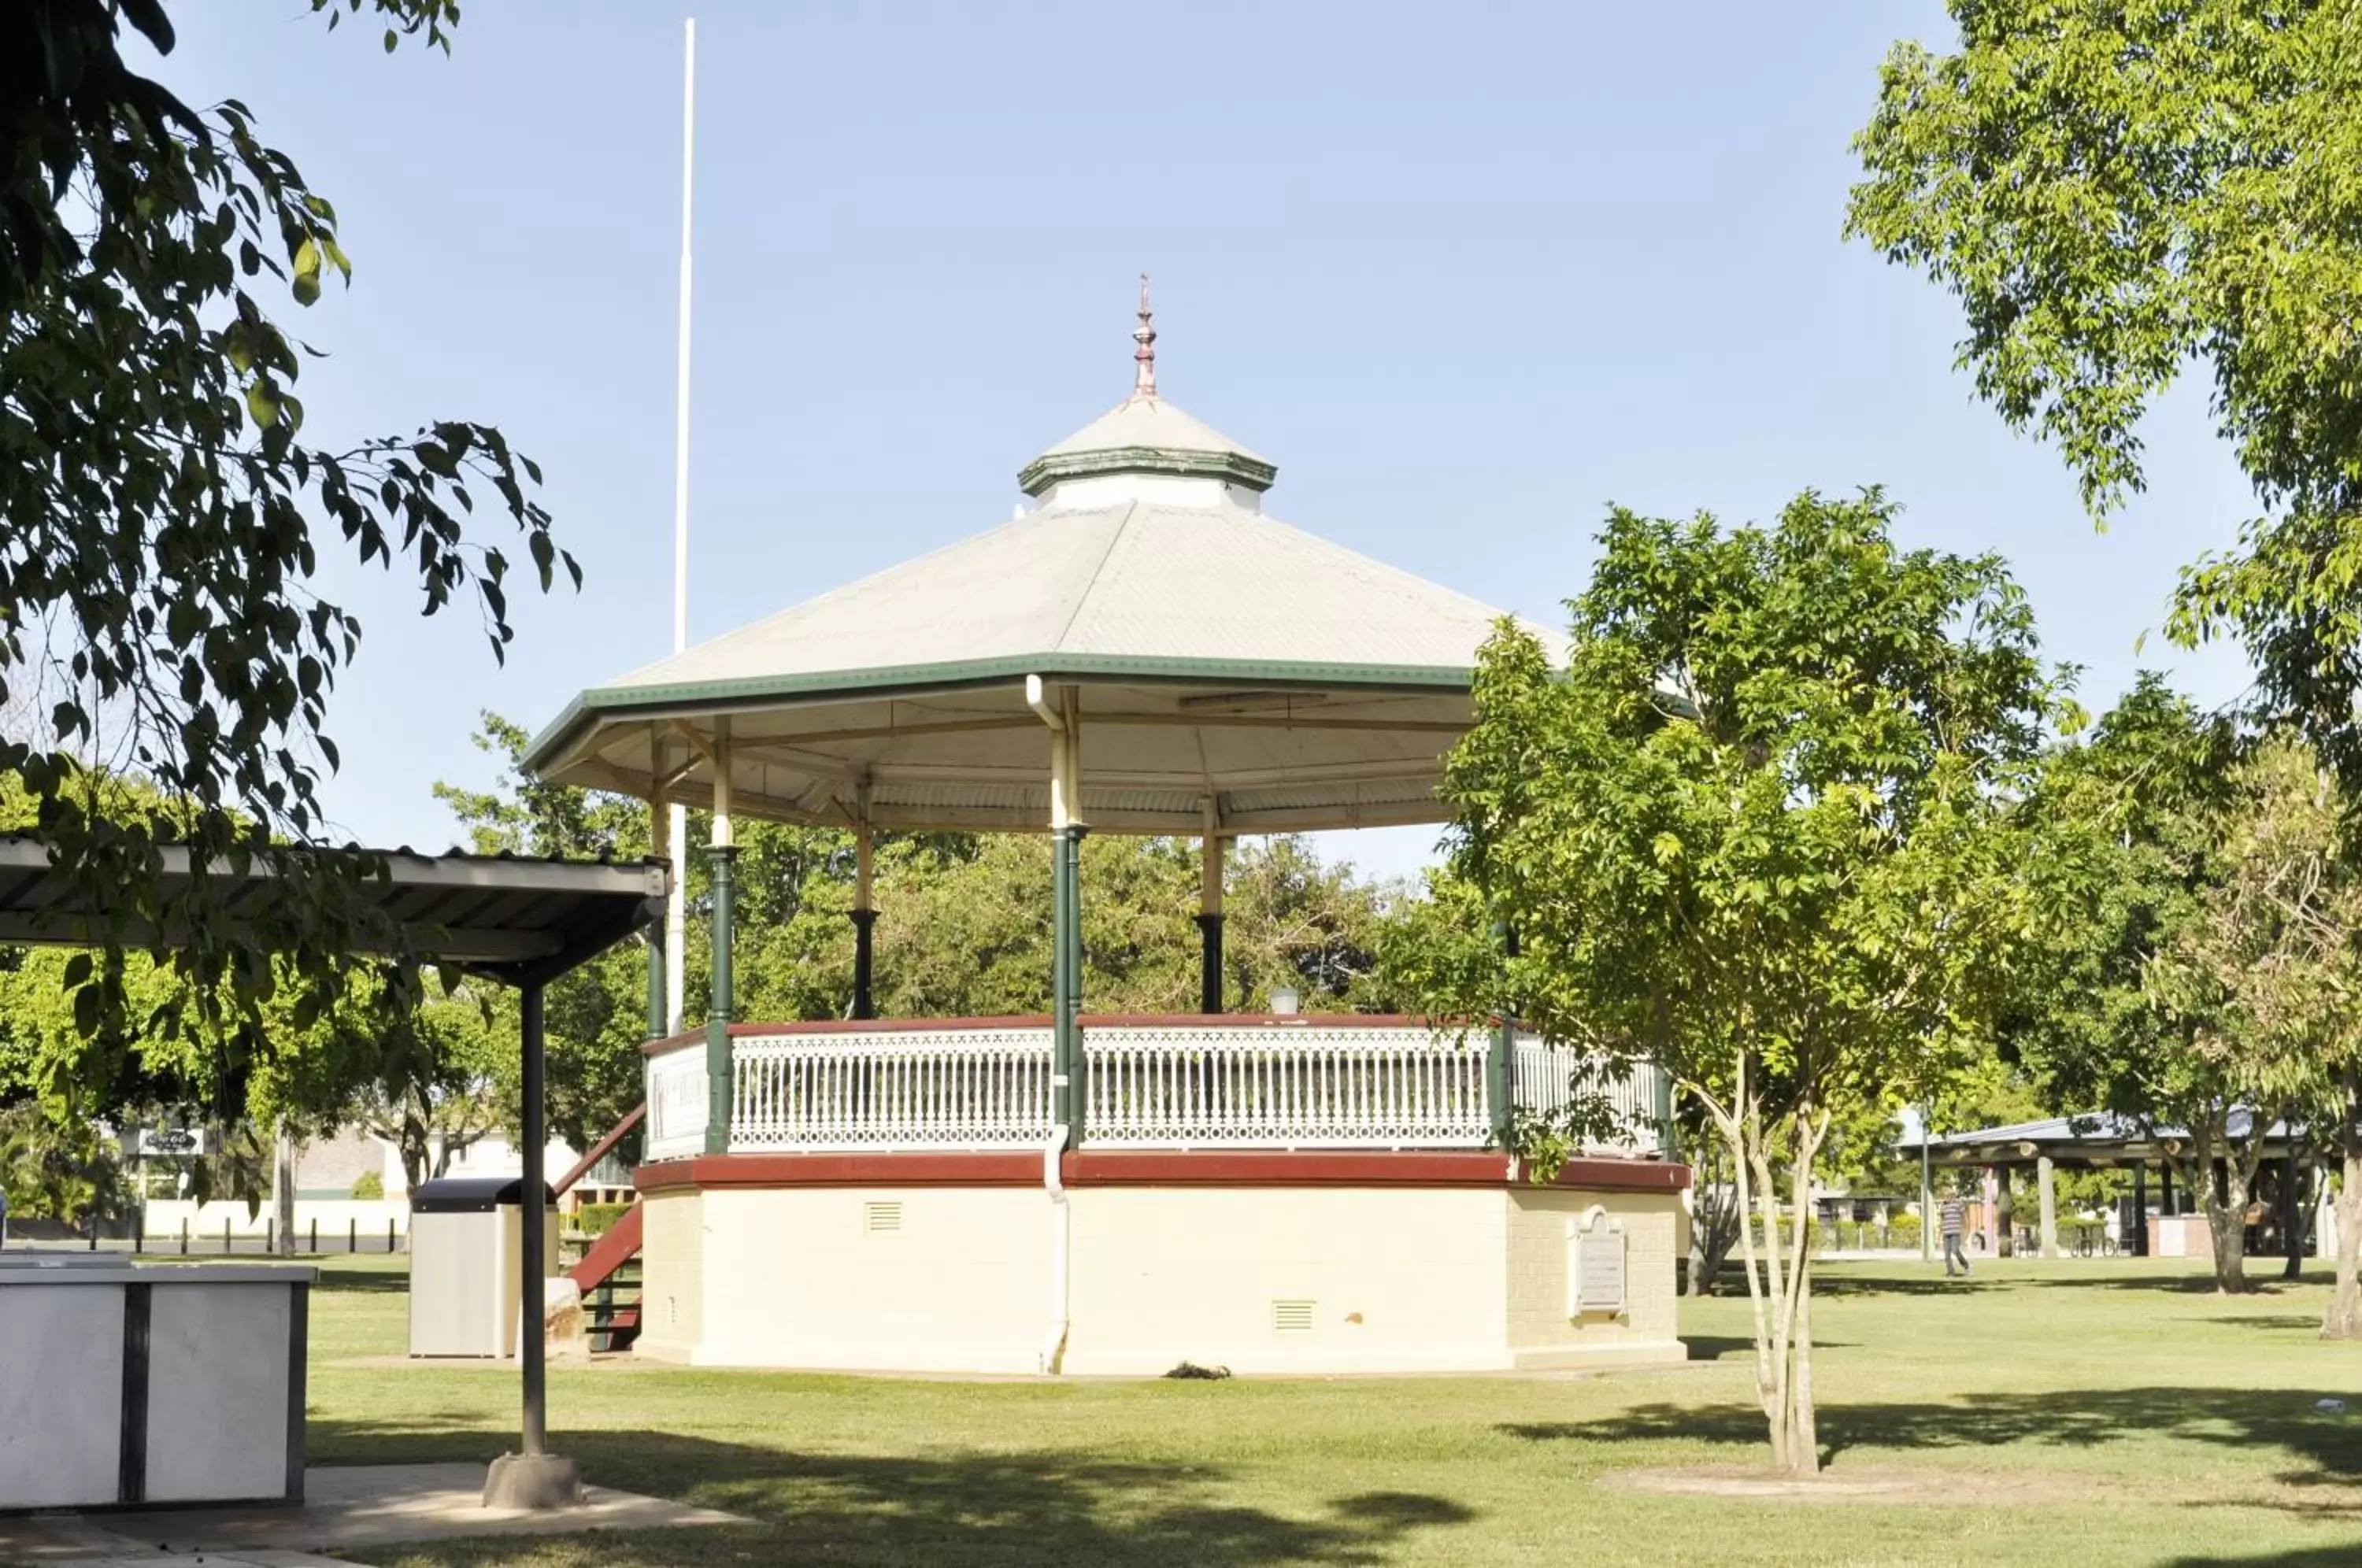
677	823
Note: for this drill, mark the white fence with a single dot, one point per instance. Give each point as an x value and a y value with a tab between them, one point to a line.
677	1105
1283	1087
1145	1085
960	1088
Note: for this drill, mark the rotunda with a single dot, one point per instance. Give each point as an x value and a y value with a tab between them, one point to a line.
1144	649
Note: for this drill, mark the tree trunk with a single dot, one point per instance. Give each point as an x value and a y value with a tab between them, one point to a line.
2226	1225
2344	1320
282	1187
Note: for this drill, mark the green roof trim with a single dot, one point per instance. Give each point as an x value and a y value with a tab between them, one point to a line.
604	701
1047	469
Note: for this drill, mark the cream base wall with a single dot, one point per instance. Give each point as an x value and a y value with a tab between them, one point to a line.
672	1274
800	1277
1396	1279
1391	1279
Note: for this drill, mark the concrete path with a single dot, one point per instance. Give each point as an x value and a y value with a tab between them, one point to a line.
359	1505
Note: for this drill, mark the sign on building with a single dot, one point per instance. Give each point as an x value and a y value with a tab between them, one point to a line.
1594	1272
168	1143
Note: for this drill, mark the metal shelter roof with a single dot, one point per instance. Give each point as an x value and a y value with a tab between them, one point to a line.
512	918
2099	1135
1218	655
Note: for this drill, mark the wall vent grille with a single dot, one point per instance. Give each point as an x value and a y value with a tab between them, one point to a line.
881	1219
1291	1316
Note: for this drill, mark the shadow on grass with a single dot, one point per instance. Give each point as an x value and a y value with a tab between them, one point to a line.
1715	1347
2320	1449
962	1510
361	1282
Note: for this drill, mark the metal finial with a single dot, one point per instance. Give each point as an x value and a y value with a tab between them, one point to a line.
1143	383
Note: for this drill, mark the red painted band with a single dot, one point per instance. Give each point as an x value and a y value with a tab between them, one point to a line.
1043	1021
1150	1168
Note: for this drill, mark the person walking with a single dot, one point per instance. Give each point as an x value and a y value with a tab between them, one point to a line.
1954	1210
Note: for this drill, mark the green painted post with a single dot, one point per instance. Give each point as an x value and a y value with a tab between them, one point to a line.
718	1087
656	997
1066	979
1663	1109
1500	1078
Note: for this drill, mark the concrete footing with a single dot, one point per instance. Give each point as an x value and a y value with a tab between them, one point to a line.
538	1482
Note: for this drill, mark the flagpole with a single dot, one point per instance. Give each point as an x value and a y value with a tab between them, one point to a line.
676	819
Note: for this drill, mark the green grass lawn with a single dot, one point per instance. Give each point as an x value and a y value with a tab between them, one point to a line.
2085	1413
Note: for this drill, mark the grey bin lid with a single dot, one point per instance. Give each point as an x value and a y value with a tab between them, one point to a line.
471	1194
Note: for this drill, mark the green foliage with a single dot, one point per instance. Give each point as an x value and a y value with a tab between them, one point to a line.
598	1219
53	1170
2116	193
1756	832
166	518
369	1185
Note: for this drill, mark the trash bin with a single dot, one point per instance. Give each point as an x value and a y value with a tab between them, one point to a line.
467	1263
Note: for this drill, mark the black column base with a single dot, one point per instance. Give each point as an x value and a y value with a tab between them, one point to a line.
864	1004
1210	971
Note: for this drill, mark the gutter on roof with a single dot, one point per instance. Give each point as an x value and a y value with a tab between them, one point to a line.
602	701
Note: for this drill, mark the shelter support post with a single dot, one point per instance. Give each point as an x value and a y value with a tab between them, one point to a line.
2165	1187
2004	1214
2137	1237
2046	1184
725	853
536	1307
865	921
1209	914
1926	1190
2292	1219
533	1477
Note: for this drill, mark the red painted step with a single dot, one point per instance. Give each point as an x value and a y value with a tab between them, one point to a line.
609	1252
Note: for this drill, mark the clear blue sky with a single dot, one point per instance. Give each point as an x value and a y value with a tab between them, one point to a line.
1466	274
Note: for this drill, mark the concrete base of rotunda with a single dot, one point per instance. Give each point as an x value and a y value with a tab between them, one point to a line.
1259	1262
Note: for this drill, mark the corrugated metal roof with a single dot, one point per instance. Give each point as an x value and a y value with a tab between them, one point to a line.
1220	657
512	917
1141	580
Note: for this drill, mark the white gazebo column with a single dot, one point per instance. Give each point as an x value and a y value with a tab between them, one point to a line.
724	851
865	916
1209	911
657	813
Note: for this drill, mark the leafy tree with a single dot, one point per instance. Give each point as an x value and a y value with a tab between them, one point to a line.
2117	193
2133	829
165	515
2277	948
1755	832
55	1170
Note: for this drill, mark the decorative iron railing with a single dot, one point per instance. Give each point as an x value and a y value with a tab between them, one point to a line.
960	1088
1168	1085
1543	1080
1289	1087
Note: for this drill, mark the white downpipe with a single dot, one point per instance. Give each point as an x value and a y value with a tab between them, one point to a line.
1053	1343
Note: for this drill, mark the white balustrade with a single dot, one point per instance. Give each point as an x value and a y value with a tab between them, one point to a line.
1543	1080
1283	1087
1146	1085
957	1089
678	1103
